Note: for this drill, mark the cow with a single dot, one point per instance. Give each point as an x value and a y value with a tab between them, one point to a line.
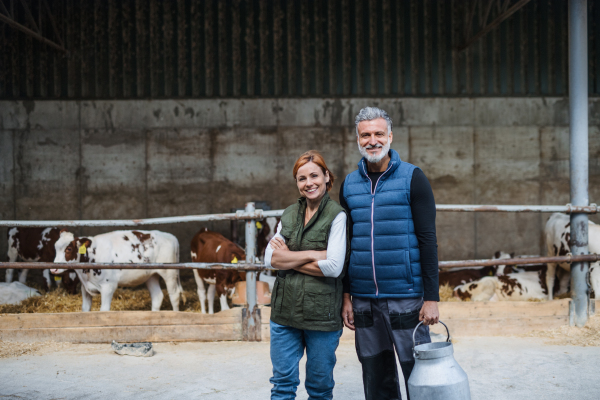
122	247
560	286
212	247
37	245
266	231
459	276
558	238
511	282
516	286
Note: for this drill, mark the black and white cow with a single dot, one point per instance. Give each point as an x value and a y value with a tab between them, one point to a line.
122	247
558	243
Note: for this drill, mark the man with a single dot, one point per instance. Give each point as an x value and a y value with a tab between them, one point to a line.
392	280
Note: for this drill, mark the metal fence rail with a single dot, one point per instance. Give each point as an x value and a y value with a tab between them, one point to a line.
260	214
256	267
520	261
48	265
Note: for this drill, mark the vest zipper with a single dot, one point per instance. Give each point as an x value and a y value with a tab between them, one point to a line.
373	224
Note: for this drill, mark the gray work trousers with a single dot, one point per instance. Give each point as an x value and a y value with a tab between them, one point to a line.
382	325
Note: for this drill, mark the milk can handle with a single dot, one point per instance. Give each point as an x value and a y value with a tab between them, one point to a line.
419	324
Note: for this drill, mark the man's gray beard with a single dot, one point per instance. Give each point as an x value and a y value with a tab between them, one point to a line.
374	159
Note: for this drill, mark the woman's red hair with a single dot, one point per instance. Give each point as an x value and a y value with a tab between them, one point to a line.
315	157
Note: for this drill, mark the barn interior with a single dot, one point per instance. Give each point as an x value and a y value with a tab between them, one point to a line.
137	109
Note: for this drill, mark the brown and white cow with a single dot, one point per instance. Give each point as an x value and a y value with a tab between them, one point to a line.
520	282
37	245
459	276
212	247
558	243
513	286
122	247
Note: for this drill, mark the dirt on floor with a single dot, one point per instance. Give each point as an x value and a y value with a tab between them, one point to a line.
14	349
566	335
498	368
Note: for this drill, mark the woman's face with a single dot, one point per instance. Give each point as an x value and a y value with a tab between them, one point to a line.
311	181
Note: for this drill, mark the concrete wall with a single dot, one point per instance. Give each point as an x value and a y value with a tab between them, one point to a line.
136	159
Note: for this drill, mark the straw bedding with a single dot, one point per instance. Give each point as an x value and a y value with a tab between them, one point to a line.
124	299
566	335
59	301
446	293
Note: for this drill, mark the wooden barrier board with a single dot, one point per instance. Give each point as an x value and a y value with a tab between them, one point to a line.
122	326
463	319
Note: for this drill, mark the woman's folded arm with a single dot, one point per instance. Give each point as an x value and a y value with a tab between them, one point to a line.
333	265
336	248
285	259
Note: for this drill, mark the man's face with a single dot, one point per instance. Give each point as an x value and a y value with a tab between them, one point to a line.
373	139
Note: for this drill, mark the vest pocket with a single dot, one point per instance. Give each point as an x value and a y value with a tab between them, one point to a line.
319	299
317	307
315	241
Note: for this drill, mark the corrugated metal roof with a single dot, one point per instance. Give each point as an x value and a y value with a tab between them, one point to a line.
283	48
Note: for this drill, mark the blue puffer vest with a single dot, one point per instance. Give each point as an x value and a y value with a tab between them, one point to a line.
385	257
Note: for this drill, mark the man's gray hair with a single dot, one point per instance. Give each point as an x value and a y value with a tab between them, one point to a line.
371	113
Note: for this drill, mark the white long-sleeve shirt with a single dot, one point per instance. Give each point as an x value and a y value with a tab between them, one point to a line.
336	247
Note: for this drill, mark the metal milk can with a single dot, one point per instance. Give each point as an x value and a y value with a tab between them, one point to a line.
437	375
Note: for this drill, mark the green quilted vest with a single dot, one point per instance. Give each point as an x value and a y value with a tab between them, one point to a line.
299	300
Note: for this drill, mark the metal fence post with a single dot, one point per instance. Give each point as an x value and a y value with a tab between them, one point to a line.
578	162
251	315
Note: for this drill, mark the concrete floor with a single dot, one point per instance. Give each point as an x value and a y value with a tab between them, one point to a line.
498	368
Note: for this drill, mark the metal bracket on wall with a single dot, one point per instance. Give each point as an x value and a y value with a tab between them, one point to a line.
7	15
486	10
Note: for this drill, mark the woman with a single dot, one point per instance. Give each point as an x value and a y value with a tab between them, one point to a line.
309	251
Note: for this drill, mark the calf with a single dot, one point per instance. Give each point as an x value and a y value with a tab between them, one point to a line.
459	276
508	269
37	245
558	243
212	247
122	247
513	286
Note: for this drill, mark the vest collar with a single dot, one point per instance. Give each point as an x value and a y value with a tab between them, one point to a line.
392	166
302	210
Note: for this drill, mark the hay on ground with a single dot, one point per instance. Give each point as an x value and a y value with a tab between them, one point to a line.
566	335
446	293
59	301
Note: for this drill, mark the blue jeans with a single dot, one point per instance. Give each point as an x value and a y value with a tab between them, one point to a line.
287	348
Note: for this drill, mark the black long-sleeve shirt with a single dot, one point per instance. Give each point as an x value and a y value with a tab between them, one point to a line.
422	205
